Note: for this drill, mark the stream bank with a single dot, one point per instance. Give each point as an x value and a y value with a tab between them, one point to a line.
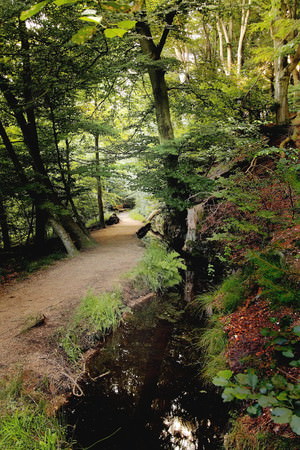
144	391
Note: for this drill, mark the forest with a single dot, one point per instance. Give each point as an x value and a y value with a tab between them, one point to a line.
181	119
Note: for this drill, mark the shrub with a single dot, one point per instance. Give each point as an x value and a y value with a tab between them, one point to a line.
159	269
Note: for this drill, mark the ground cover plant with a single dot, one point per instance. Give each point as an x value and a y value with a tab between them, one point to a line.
95	318
24	424
159	269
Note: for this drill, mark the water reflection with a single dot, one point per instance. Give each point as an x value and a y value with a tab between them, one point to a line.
151	396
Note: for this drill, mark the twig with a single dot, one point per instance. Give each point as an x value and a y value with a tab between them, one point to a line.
79	392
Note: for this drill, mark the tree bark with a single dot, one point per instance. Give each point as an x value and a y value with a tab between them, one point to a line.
24	112
243	28
4	226
175	227
64	237
41	200
99	185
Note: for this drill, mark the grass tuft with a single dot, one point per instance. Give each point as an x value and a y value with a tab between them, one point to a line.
24	424
96	316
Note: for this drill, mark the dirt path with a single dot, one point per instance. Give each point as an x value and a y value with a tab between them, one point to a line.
55	291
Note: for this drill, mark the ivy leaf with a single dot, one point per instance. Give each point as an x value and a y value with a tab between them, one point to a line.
33	10
281	415
127	24
114	32
295	424
83	34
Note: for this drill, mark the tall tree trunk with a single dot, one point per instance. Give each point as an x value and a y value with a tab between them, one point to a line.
227	31
41	219
243	28
175	223
28	127
65	179
99	185
4	226
41	201
283	68
64	236
221	50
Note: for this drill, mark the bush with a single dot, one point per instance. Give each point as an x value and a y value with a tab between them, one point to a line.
159	269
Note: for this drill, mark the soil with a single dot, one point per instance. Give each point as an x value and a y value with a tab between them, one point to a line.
48	298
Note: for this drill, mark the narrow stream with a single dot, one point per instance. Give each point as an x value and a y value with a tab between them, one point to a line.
151	397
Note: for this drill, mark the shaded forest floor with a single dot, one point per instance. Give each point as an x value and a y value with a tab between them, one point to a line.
53	293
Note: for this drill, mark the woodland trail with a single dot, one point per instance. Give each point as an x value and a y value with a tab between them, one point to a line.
55	291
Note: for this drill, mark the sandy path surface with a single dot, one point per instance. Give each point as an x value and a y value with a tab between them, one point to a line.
55	291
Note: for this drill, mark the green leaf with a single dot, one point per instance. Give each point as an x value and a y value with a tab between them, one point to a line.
242	378
279	381
254	410
114	32
295	424
94	19
227	395
127	24
288	353
252	380
65	2
282	396
280	340
266	401
295	363
225	374
83	34
296	330
281	415
33	10
241	393
220	381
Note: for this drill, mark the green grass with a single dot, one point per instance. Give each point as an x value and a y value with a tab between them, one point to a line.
211	342
96	316
24	424
136	216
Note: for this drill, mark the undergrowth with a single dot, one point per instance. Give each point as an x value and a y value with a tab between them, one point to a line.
159	270
24	424
241	438
135	215
95	317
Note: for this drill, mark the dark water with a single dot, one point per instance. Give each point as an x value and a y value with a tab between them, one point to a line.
152	397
